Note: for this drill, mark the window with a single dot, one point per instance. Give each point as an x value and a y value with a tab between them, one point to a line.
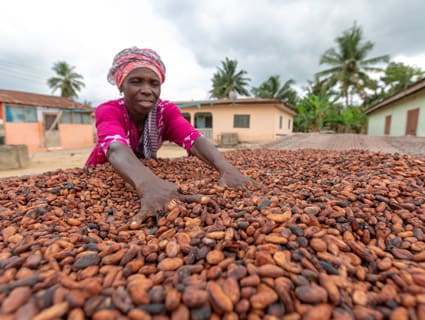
86	118
241	121
280	122
30	115
20	114
66	117
75	117
289	123
203	120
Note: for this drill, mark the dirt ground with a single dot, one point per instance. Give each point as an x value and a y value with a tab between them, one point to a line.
65	159
76	158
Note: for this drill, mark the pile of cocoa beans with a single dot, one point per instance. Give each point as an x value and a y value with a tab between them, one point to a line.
324	235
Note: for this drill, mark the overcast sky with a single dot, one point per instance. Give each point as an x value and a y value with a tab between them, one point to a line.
266	37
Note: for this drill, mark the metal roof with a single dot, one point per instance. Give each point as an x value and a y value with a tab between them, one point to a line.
244	101
40	100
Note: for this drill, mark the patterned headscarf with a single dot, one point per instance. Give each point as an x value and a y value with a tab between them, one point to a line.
131	58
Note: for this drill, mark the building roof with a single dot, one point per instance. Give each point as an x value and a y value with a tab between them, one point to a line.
413	88
244	101
40	100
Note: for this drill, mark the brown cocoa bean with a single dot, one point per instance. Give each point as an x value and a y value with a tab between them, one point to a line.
270	270
311	294
263	298
318	244
137	314
193	297
231	287
54	312
331	288
218	297
170	264
172	299
215	257
17	297
319	312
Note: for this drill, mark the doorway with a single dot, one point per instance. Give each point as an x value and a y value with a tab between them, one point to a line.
51	130
204	123
387	128
412	122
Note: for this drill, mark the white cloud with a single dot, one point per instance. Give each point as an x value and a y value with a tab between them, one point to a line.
415	61
266	37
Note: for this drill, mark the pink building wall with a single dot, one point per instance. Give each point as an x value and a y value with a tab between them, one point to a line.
24	133
76	135
32	134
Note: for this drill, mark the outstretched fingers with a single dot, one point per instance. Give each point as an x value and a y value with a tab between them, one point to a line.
149	212
190	197
140	218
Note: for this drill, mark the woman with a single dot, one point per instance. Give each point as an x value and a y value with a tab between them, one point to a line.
135	126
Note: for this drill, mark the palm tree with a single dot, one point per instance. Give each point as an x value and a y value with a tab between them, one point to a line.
350	65
273	89
67	81
227	80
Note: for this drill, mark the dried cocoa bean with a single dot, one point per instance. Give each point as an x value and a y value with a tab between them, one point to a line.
218	297
311	294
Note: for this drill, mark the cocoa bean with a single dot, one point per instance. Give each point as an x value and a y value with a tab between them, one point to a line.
54	312
218	297
311	294
193	297
17	297
331	235
170	264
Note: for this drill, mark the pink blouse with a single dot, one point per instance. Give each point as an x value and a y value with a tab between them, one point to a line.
113	124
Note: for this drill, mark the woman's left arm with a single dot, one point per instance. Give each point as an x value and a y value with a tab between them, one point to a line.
181	132
208	153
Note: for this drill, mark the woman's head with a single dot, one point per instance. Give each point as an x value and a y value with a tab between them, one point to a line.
129	59
138	73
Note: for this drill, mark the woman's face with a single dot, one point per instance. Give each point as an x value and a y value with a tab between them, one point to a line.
141	89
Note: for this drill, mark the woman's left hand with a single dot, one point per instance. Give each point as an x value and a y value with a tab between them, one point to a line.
230	175
233	178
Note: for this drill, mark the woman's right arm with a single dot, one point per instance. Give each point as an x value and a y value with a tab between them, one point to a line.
129	167
155	193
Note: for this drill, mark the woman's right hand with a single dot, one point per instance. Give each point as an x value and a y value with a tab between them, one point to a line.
155	193
155	197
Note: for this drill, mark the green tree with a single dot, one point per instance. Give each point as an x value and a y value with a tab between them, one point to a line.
312	112
227	80
350	65
399	76
66	80
272	88
352	119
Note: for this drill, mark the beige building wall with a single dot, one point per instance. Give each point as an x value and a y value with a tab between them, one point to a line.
398	111
264	125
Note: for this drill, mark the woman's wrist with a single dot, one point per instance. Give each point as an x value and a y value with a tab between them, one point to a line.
144	181
224	167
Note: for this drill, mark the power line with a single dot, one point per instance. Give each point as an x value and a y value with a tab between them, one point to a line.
22	73
20	65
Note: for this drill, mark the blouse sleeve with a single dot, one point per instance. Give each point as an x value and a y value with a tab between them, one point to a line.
110	126
177	128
